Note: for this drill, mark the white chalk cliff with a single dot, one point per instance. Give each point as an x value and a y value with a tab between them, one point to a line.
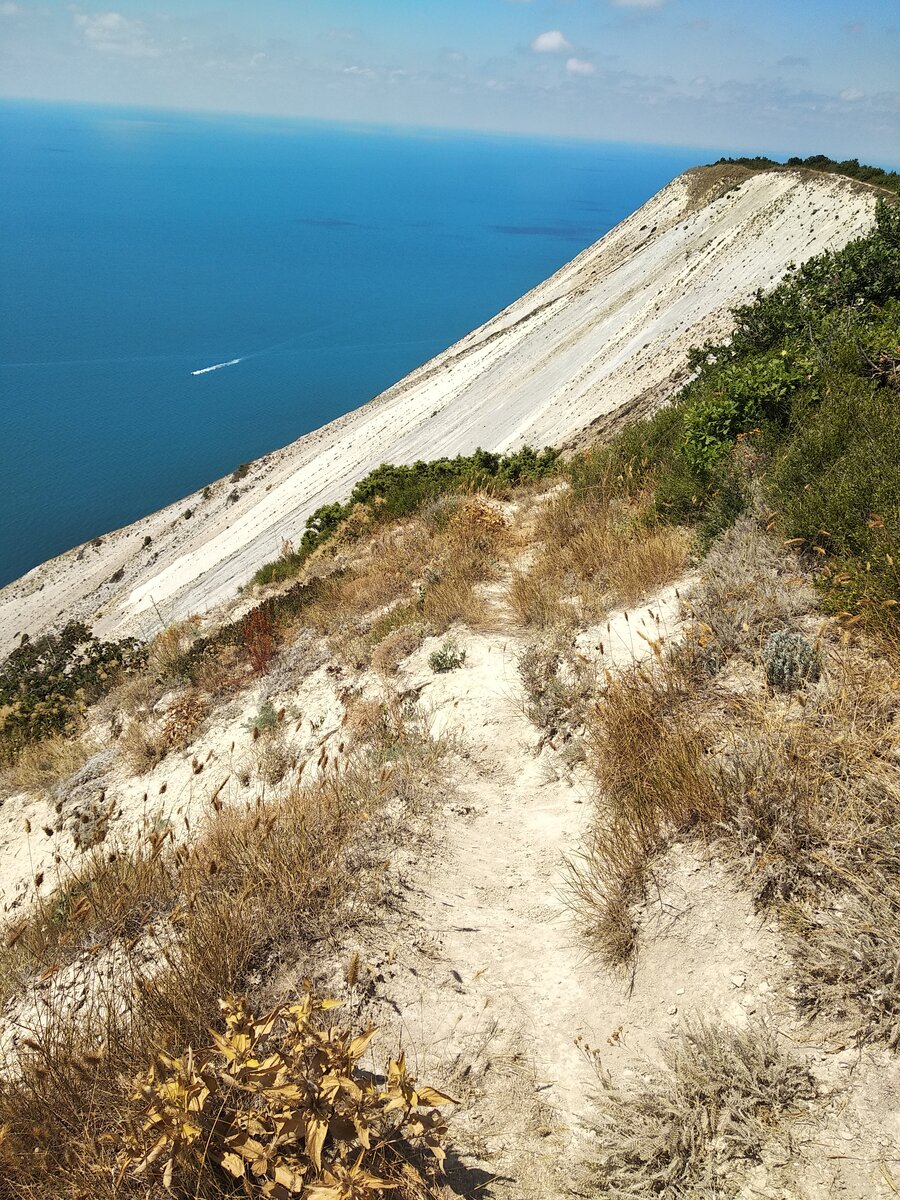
607	333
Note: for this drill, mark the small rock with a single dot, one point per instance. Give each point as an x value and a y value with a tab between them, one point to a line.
738	980
672	1010
679	991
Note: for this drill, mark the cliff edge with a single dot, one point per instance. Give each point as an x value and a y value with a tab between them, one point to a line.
608	334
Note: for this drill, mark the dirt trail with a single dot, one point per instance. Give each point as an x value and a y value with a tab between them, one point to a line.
486	973
496	990
479	971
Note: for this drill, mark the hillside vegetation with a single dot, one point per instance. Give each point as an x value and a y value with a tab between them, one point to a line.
798	409
344	787
851	167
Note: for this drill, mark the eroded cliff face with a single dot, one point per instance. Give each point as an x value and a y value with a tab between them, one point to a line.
608	334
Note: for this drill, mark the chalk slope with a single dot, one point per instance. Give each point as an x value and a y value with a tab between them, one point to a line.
608	333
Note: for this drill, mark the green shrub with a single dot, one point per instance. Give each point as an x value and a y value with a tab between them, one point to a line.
737	398
802	399
448	658
790	661
851	167
45	684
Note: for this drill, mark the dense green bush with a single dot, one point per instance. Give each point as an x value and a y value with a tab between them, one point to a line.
45	684
743	394
821	162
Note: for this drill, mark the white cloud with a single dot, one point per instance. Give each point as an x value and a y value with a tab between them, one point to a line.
639	3
580	66
551	42
852	94
9	10
111	33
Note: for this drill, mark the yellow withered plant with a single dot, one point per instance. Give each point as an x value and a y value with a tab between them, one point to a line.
279	1104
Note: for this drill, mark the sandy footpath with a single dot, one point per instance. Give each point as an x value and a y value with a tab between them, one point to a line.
609	329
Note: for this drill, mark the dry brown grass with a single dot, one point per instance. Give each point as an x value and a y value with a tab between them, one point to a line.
165	655
799	791
648	762
42	765
595	551
262	885
184	719
749	588
698	1124
146	739
424	571
397	645
141	745
558	686
646	563
255	880
535	597
812	807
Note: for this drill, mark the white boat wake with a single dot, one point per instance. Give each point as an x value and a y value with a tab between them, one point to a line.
218	366
232	362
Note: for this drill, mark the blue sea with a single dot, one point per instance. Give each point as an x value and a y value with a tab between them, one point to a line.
311	264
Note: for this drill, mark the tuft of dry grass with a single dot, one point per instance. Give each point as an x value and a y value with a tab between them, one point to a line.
146	741
253	882
535	597
558	686
595	550
42	765
184	719
166	653
749	588
695	1125
646	563
649	763
141	746
397	645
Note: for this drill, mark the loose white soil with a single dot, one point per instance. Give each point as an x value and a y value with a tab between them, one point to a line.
477	966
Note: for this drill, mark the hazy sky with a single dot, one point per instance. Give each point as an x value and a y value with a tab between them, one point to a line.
780	75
